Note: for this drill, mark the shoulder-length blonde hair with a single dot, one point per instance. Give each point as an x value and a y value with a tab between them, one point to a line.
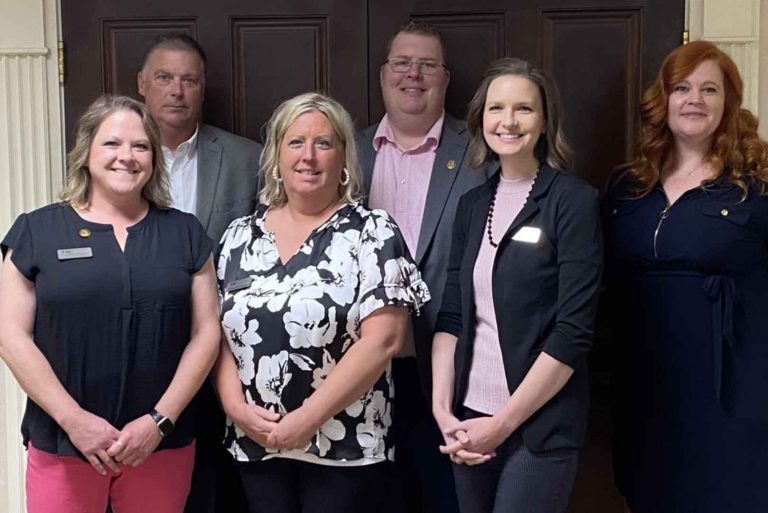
552	147
272	193
78	188
737	152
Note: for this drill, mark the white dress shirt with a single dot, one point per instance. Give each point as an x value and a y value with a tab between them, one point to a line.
182	173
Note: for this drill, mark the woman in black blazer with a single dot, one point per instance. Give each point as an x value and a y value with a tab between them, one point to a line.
510	383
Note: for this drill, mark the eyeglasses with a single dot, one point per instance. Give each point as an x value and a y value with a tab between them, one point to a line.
403	65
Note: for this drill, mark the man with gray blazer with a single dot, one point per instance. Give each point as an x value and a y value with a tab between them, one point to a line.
214	175
414	167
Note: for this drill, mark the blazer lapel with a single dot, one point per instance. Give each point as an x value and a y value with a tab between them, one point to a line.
208	172
367	157
531	207
451	148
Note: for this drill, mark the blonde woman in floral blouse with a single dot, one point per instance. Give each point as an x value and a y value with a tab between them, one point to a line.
315	293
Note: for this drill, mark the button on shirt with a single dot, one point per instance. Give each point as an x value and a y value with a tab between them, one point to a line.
401	178
182	173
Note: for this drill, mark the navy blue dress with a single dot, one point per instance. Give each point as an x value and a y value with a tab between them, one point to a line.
113	324
688	297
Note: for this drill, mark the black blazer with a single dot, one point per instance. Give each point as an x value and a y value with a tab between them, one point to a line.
544	295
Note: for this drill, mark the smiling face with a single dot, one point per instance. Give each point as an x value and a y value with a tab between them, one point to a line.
412	93
696	104
119	158
513	118
172	84
311	158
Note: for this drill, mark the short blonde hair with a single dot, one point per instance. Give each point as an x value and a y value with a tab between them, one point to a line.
78	188
271	192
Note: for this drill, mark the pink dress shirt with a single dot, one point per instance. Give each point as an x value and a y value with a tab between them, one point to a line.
399	186
401	178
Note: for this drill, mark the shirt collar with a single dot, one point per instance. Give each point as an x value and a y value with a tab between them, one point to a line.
384	134
185	149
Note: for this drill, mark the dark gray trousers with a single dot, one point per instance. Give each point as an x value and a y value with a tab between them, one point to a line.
517	480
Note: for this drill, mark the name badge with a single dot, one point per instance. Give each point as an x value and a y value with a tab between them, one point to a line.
240	284
74	253
527	234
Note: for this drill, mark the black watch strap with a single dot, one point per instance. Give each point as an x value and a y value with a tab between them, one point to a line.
164	424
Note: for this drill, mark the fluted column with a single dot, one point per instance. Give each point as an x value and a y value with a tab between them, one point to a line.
30	175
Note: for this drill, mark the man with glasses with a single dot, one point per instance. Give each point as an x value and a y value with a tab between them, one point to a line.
414	167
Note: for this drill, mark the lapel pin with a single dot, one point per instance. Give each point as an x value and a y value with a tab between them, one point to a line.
451	165
84	233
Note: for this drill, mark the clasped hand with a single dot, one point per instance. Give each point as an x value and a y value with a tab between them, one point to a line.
103	445
471	441
271	430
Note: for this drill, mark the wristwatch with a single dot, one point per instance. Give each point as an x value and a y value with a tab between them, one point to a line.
164	424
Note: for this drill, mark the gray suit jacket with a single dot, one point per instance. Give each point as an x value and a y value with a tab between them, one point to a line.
227	178
451	178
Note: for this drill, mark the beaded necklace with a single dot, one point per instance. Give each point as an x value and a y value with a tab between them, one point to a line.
489	221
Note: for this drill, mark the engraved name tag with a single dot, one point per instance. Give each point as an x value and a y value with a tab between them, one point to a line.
240	284
73	253
528	234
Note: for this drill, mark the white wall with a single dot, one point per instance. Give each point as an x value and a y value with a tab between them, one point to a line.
735	26
30	174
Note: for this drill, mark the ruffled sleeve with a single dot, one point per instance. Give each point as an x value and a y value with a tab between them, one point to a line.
388	274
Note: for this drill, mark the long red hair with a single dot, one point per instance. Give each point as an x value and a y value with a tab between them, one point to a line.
736	151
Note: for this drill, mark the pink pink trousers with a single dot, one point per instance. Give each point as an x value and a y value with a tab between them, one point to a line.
65	484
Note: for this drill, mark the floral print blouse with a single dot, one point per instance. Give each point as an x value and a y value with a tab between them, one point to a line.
288	324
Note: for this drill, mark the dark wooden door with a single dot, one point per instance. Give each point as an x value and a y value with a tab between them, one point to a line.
602	53
259	53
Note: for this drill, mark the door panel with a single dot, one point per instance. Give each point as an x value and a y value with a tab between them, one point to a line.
302	64
600	95
259	53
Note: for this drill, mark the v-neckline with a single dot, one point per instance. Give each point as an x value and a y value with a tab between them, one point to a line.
273	236
94	226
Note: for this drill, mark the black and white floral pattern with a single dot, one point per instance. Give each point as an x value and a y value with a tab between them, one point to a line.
292	323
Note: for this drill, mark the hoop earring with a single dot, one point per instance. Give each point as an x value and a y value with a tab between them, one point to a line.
276	175
345	181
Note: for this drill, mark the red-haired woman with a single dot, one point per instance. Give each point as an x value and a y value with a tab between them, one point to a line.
687	263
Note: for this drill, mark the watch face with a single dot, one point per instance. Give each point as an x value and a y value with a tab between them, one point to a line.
165	426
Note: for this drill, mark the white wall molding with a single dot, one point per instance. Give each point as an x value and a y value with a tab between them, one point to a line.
23	52
31	171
